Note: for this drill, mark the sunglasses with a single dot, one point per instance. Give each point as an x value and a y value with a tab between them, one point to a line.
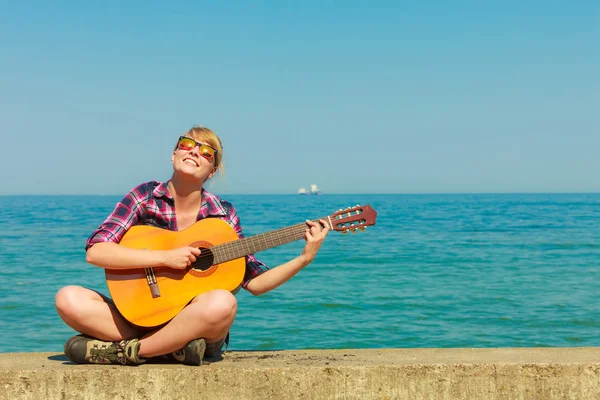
187	144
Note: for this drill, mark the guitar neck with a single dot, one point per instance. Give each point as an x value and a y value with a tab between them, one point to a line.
254	244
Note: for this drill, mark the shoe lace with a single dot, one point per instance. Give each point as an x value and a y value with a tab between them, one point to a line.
114	353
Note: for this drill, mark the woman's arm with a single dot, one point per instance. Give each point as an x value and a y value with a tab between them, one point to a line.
103	248
274	277
114	256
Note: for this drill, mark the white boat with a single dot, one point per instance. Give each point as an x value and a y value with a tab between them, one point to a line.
314	189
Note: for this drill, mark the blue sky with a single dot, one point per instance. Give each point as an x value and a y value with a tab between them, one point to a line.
358	97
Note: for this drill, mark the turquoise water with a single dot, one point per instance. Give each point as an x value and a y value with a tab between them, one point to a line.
436	271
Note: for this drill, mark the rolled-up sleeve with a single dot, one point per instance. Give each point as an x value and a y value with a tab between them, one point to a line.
126	214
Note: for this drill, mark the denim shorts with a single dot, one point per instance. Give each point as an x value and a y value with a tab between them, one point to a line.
214	349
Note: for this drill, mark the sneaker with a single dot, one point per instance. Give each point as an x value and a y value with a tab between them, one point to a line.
86	350
191	354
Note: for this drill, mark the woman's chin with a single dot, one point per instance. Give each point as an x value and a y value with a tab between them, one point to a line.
188	174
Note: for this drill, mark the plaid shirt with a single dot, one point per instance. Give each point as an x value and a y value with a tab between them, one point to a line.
151	204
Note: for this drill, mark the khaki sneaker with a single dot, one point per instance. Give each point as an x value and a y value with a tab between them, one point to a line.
191	354
83	349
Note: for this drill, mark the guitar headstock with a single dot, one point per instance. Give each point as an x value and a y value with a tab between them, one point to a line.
353	218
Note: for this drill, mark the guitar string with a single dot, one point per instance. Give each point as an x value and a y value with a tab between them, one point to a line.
284	233
282	236
277	237
230	248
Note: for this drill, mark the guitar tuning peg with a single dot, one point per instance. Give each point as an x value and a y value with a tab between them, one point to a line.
362	228
357	212
354	230
344	231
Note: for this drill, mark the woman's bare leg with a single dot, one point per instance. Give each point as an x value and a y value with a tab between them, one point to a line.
92	314
209	316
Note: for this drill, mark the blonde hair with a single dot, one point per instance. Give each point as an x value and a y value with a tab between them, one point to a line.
205	135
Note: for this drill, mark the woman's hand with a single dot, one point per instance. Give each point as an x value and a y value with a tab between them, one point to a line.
180	258
314	235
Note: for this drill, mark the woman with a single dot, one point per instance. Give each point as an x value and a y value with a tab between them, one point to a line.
202	327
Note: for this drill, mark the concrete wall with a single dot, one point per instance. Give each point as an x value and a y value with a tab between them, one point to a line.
549	373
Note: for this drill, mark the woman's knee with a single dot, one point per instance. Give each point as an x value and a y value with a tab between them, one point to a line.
220	307
69	301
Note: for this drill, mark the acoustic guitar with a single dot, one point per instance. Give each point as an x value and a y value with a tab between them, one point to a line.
150	297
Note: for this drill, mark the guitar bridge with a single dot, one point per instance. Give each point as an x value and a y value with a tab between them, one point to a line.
151	278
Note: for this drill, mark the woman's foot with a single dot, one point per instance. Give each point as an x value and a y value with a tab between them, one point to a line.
83	349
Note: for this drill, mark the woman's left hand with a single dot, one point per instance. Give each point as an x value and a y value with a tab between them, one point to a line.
314	235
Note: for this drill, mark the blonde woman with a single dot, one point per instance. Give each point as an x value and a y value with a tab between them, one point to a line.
202	327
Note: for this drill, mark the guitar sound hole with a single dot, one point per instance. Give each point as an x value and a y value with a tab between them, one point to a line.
204	261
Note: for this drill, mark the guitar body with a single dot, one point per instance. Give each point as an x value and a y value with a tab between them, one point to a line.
150	297
131	290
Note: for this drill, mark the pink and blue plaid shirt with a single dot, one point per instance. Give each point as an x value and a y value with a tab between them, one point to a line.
151	204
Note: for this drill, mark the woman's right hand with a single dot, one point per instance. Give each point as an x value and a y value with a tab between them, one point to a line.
180	258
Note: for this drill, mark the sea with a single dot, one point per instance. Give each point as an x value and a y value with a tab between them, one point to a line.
443	271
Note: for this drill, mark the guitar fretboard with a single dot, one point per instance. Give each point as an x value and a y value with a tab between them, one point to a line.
263	241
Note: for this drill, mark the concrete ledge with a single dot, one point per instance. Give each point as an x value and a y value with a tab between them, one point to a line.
527	373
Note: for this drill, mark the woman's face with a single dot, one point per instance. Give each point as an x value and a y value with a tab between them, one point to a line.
193	158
